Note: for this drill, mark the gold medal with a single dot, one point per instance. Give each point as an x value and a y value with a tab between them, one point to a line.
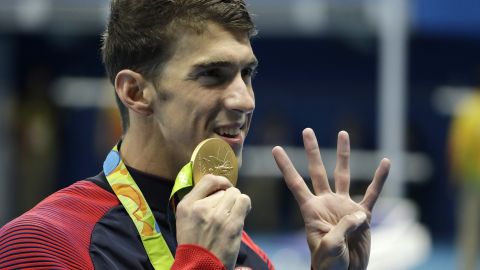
214	156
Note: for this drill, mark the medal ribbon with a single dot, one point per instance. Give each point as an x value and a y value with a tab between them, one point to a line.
137	207
183	183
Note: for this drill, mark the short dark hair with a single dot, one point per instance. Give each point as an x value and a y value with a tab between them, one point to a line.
140	33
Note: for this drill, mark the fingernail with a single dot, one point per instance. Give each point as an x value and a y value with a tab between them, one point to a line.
360	215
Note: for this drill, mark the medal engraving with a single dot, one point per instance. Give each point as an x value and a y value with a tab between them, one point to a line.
214	156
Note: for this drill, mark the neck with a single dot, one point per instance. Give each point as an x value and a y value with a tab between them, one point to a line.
143	150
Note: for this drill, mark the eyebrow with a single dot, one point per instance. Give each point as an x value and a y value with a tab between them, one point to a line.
206	65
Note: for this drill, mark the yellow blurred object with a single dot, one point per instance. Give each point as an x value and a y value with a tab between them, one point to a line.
464	144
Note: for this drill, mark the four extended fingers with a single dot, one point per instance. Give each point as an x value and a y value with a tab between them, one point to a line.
318	173
334	242
316	168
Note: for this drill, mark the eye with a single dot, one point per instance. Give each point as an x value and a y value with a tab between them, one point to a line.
214	76
210	73
249	73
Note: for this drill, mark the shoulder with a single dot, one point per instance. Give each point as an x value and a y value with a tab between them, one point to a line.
59	226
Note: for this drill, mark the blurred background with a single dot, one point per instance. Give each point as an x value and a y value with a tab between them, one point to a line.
390	72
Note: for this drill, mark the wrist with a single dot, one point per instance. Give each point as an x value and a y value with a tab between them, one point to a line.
191	256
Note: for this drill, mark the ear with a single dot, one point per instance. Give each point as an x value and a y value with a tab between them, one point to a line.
132	89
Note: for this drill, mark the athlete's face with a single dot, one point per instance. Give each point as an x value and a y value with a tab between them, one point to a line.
205	91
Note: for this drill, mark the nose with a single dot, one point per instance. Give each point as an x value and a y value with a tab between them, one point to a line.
240	96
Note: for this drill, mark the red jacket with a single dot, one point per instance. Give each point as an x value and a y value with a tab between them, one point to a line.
84	226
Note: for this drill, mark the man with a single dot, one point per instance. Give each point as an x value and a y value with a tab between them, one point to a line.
182	72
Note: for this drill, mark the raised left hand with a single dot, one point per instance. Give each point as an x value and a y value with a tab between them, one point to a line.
337	228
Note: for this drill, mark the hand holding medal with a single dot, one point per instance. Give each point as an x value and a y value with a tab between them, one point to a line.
213	212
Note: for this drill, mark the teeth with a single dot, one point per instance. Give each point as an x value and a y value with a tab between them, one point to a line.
229	131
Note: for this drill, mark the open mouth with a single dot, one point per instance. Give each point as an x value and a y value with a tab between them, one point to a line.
229	132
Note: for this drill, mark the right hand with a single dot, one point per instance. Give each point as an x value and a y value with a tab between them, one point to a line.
212	215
